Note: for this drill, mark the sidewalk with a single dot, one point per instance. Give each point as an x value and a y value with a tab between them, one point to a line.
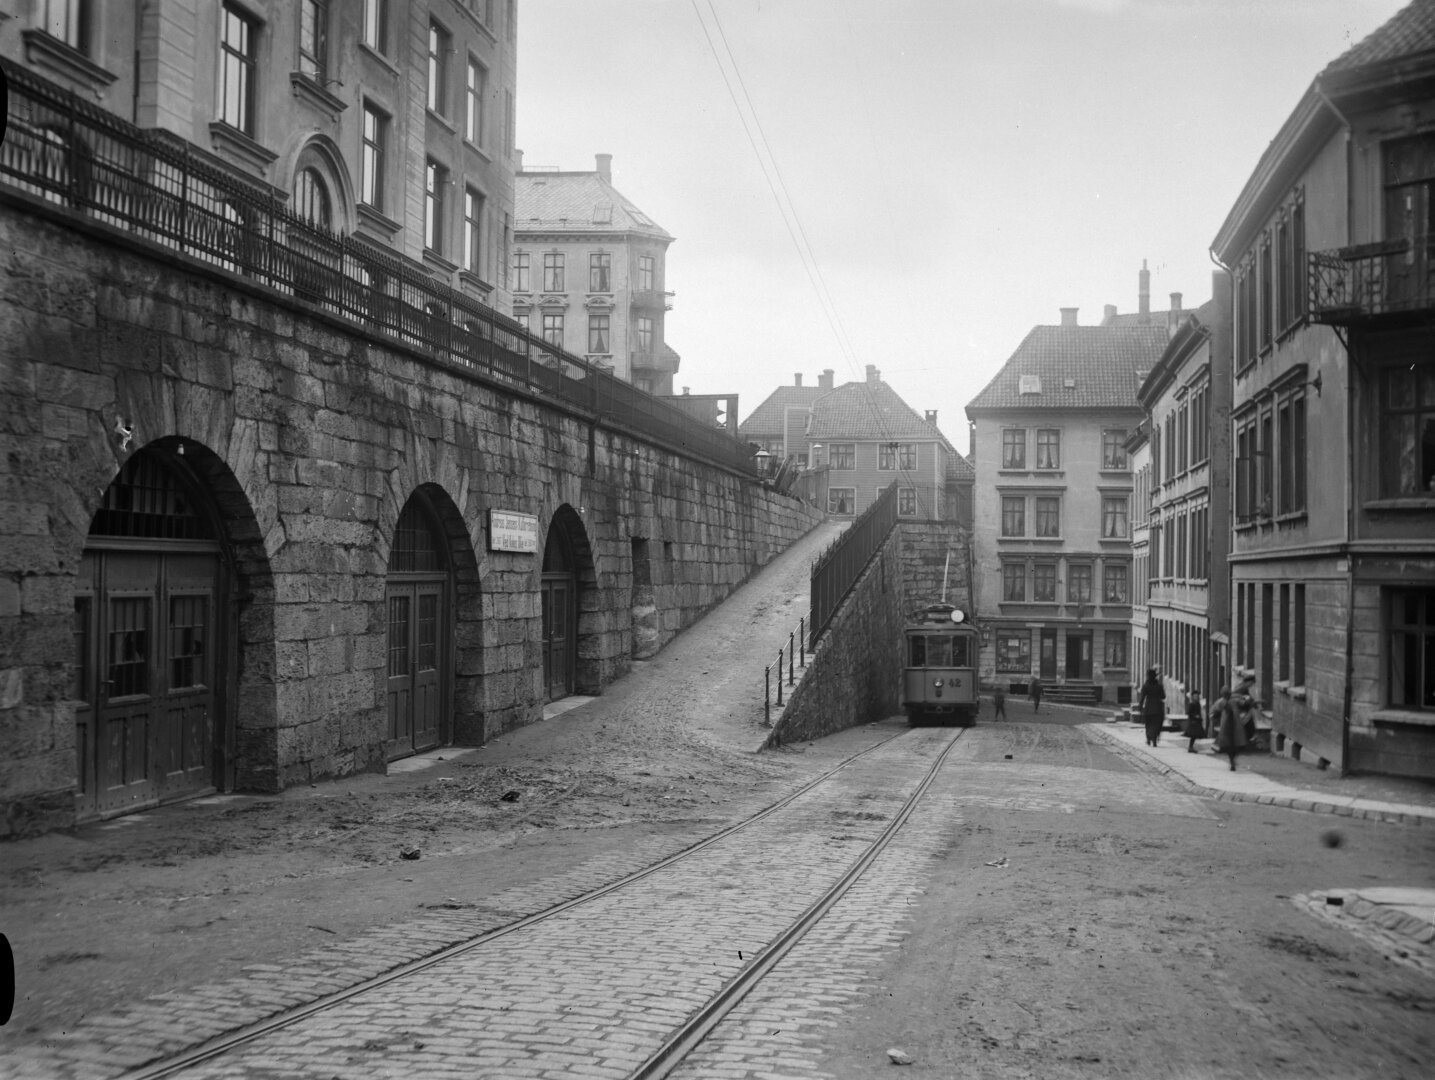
1399	921
1207	773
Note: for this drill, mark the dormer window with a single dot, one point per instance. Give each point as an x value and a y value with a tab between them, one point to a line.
1029	384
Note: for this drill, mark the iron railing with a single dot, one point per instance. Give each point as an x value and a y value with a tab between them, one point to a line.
838	568
1386	277
789	654
150	183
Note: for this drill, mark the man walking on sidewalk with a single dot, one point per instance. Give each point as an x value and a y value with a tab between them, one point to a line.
999	700
1036	693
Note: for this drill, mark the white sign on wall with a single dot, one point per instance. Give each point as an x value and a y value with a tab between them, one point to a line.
509	530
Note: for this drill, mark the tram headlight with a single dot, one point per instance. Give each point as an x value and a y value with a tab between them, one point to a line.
937	683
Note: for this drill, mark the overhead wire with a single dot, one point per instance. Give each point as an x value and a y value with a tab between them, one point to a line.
792	221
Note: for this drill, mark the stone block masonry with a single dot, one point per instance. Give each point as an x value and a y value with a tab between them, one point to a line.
308	435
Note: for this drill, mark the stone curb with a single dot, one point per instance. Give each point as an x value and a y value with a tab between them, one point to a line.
1394	926
1145	764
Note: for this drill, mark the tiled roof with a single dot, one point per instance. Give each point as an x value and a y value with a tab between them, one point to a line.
766	419
1410	31
867	410
1100	362
581	202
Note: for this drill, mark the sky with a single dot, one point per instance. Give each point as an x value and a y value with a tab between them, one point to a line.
915	184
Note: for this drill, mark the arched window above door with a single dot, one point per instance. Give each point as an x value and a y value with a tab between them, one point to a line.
311	198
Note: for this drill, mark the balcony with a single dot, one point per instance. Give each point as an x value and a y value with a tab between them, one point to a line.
1383	280
651	300
655	361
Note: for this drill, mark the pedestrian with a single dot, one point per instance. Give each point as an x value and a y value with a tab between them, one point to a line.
1195	721
1230	726
1153	707
999	700
1035	692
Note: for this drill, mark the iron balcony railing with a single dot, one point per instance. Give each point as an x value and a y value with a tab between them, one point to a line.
154	185
1387	277
838	568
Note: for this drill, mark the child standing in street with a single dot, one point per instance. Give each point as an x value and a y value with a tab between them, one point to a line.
1195	721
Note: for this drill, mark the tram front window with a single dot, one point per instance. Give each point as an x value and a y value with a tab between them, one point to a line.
919	651
959	652
939	651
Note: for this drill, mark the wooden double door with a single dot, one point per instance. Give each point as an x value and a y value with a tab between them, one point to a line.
419	613
417	617
146	676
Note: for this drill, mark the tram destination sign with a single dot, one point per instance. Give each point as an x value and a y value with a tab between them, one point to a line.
508	530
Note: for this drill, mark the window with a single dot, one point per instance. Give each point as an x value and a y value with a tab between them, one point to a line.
1298	638
521	281
1043	583
841	500
435	179
645	337
553	329
1048	448
842	456
1048	516
1115	523
1411	682
1078	584
1290	449
1201	424
1266	314
553	272
1283	661
1013	515
598	334
907	456
1013	652
236	70
1013	582
68	21
907	502
371	164
646	272
472	230
600	272
1248	474
1014	448
1407	430
313	38
1114	584
1290	265
508	123
438	69
311	197
887	456
522	318
1113	450
376	20
477	85
1115	649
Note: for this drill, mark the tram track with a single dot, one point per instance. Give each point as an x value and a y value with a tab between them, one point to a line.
687	1035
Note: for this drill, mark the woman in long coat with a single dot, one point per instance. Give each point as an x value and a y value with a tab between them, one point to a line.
1153	707
1231	725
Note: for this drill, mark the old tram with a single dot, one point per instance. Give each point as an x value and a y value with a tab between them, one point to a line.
939	676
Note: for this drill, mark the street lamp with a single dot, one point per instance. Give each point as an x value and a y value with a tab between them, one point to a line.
764	461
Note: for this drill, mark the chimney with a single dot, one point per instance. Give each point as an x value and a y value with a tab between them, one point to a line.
605	167
1068	316
797	379
873	375
1173	317
1108	317
1143	292
971	441
824	381
931	416
518	161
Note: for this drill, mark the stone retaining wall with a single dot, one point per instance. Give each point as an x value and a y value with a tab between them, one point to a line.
309	435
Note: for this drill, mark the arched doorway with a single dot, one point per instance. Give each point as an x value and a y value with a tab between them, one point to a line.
419	606
560	612
150	648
